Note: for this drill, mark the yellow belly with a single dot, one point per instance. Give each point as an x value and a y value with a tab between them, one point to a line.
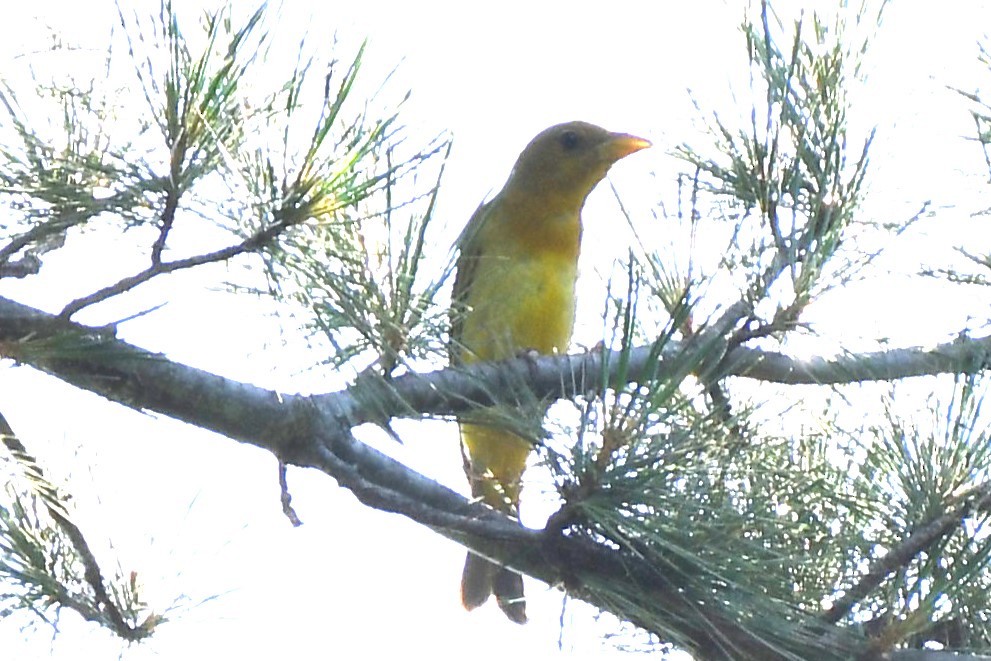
516	304
519	303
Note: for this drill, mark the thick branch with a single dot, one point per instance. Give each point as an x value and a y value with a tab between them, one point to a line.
122	372
962	355
316	432
450	391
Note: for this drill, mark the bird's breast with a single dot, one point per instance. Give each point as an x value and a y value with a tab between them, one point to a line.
520	300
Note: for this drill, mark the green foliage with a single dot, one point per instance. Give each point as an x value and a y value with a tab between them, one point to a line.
917	467
313	208
790	173
353	258
44	566
195	154
760	515
358	272
976	269
737	518
64	174
767	520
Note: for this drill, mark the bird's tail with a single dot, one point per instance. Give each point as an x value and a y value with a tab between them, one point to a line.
494	463
482	578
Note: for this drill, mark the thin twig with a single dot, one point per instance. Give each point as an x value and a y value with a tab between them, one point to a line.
903	554
107	609
252	243
287	507
168	219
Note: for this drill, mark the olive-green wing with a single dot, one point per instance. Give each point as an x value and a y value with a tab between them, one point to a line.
469	252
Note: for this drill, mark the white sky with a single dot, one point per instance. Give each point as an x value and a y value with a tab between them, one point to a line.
199	515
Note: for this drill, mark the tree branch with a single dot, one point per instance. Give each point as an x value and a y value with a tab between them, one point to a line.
316	432
250	244
102	608
122	372
978	499
963	355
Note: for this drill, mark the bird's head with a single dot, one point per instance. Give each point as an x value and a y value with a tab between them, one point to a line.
566	161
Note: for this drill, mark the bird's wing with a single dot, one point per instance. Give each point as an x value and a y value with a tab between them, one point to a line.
469	249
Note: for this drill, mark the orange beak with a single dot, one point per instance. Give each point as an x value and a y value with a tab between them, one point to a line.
621	145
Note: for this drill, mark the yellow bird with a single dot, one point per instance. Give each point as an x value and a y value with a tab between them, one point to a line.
515	291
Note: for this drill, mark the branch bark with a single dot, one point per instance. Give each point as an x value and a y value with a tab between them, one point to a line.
315	431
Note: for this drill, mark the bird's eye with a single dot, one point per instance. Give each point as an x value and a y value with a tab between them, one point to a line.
569	140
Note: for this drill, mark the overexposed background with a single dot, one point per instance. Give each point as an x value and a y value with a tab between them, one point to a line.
198	516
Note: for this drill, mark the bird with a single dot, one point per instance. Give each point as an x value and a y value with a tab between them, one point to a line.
514	294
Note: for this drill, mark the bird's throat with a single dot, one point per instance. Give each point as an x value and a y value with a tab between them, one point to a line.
547	228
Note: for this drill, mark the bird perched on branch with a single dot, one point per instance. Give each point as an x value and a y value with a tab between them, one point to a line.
515	291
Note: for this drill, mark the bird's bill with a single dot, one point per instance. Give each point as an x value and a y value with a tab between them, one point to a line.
621	145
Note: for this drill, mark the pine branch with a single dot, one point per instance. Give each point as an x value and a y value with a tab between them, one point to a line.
316	432
256	241
796	163
963	355
978	499
103	608
96	358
